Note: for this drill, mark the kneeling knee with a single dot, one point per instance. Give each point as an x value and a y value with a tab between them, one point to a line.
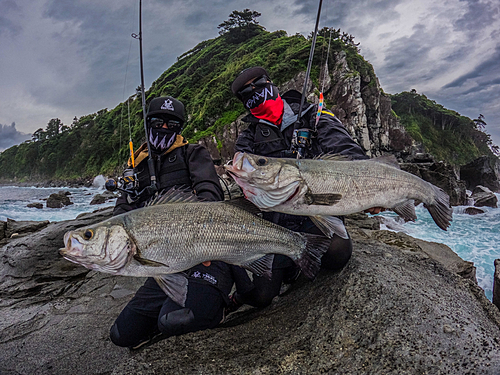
176	322
338	254
114	335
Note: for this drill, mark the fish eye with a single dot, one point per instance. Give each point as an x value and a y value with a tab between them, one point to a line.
262	161
89	233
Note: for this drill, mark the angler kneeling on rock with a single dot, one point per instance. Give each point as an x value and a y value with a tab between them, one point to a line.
274	130
151	314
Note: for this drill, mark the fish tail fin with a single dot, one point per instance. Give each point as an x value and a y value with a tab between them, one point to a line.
440	210
310	259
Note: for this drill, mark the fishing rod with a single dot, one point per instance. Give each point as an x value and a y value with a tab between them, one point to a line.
302	136
129	180
151	163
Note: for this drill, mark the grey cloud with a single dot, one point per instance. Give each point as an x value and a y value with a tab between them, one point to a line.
479	14
483	72
7	26
10	136
407	53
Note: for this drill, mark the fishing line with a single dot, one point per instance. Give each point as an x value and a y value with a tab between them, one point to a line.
131	146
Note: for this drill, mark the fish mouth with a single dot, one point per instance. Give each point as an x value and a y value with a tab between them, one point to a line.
240	166
73	246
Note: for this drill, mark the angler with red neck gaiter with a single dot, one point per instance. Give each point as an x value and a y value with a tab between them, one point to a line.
269	133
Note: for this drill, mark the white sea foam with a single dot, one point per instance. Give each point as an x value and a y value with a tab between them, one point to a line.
475	238
13	202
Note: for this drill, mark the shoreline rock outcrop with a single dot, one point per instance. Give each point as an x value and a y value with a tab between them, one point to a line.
400	306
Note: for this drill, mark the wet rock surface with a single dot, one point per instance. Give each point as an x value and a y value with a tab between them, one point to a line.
496	284
394	309
58	200
103	197
482	171
483	196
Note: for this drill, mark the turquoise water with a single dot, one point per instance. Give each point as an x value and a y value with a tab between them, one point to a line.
474	238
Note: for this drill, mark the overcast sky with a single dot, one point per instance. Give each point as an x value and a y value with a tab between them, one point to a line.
61	59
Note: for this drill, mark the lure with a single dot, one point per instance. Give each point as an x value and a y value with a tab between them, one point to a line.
320	107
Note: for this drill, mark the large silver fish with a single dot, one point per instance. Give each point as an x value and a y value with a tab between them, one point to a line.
179	232
330	186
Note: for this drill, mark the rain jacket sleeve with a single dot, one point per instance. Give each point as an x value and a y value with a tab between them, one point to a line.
204	178
333	137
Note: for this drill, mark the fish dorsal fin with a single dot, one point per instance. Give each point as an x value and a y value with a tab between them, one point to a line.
388	159
174	195
333	157
261	266
148	262
244	204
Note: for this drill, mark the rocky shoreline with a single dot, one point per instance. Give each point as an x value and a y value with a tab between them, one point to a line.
400	306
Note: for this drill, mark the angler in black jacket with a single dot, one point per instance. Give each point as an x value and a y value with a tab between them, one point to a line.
150	314
271	124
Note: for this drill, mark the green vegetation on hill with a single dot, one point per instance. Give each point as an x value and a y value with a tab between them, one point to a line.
98	143
444	133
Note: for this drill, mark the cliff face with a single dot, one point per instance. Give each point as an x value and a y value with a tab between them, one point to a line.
400	306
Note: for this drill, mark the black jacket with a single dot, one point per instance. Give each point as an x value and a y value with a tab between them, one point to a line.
187	166
264	138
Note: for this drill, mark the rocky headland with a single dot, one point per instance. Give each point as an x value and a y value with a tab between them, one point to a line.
401	306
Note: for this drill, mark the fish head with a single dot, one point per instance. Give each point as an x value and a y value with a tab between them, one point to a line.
265	181
105	248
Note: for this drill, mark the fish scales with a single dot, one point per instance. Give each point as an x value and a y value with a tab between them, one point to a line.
204	230
359	184
174	234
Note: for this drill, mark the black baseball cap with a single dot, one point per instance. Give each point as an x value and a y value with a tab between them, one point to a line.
245	76
166	105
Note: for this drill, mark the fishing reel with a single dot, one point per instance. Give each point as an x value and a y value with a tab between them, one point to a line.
129	184
301	142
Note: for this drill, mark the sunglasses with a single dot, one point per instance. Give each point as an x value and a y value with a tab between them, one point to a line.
258	82
157	122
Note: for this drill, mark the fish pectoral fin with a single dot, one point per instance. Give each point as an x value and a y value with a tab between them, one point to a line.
148	262
261	266
175	286
406	210
324	199
330	225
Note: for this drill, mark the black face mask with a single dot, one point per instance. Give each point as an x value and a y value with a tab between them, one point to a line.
161	139
259	95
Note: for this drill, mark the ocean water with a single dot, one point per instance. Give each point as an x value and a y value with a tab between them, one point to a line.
475	238
14	199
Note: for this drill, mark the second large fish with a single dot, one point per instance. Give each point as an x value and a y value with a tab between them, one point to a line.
322	187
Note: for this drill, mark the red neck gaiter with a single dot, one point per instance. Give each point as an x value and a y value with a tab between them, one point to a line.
270	110
266	104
